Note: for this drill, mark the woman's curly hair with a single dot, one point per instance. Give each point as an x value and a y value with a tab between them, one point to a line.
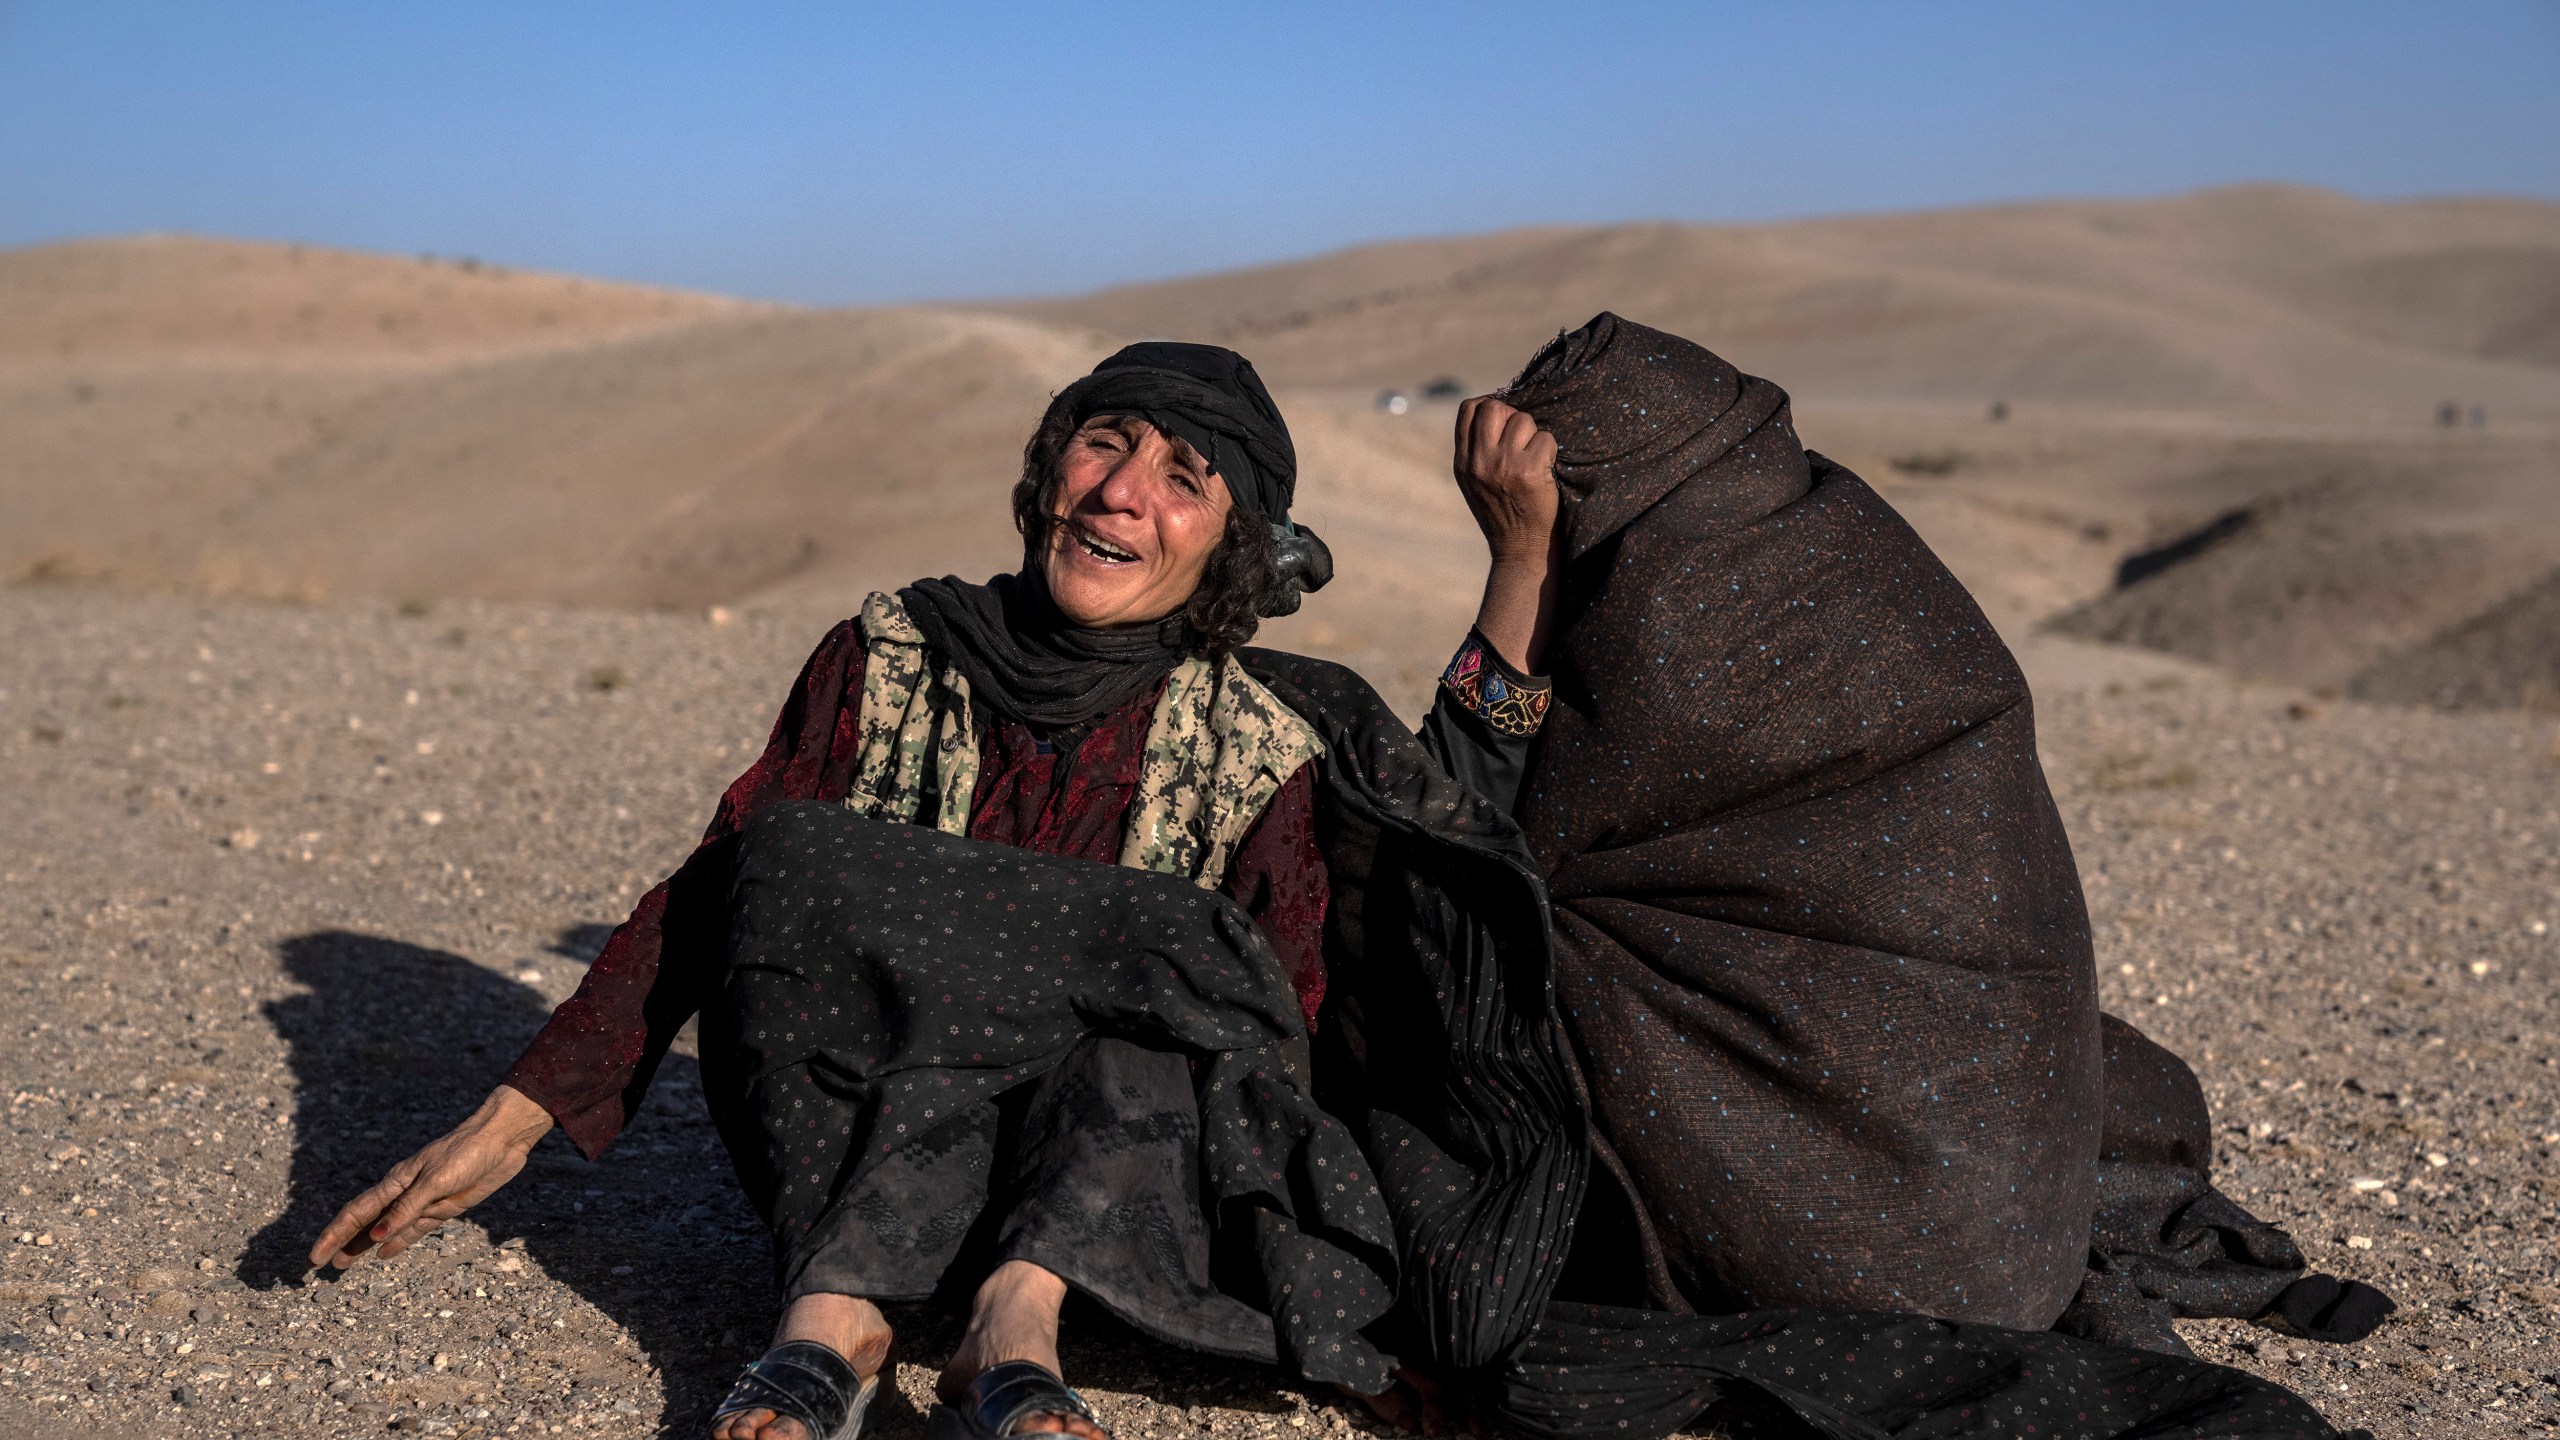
1235	586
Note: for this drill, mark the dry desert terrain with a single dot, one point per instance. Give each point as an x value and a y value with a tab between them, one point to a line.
378	628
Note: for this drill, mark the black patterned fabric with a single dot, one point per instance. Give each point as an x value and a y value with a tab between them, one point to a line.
902	1007
923	1038
2165	1243
1844	1375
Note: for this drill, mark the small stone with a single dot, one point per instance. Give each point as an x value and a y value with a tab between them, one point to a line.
243	838
2359	1242
2437	1160
182	1394
431	818
152	1282
721	615
2480	968
2367	1182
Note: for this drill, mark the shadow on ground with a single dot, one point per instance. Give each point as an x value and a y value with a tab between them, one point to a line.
393	1043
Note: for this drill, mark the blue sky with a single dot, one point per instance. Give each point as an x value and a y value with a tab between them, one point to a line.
854	153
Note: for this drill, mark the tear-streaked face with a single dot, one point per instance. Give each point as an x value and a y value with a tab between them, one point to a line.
1138	513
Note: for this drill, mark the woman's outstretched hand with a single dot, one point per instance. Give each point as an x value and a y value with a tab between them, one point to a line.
438	1183
1506	469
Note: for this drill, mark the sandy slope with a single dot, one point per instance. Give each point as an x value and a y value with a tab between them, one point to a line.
155	300
223	417
228	418
2276	303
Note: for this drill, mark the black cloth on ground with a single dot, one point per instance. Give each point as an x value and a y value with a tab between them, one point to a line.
1025	661
886	976
1090	1171
887	985
2166	1243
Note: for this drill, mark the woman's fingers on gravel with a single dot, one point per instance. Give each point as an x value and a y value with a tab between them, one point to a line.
347	1237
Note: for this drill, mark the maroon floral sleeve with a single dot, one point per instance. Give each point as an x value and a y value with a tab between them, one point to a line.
592	1062
1279	877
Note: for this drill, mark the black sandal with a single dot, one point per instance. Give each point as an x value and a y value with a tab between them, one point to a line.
1003	1394
805	1381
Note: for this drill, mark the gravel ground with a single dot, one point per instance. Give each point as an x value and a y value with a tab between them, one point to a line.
286	887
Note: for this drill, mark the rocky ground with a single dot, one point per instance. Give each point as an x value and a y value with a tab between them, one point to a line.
286	887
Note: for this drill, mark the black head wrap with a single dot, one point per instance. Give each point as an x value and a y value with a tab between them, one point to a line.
1208	397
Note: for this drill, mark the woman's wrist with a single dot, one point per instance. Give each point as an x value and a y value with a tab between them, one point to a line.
513	1117
1513	618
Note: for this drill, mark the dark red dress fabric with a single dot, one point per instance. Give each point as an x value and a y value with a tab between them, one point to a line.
590	1064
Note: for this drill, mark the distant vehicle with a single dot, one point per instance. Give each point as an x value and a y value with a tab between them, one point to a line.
1447	387
1393	402
1999	411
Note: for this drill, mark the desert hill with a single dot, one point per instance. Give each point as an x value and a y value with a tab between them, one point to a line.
226	417
157	300
2279	303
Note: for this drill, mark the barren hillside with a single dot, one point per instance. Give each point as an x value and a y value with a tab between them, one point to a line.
2269	303
157	300
221	417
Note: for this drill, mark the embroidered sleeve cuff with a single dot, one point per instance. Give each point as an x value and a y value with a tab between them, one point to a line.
1510	702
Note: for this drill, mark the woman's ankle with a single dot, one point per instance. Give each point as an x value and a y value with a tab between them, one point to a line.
1022	1284
850	1326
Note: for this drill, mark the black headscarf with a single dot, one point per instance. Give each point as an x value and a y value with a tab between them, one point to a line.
1209	397
1025	661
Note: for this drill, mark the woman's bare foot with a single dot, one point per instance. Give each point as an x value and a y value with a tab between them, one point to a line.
1015	1317
854	1329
